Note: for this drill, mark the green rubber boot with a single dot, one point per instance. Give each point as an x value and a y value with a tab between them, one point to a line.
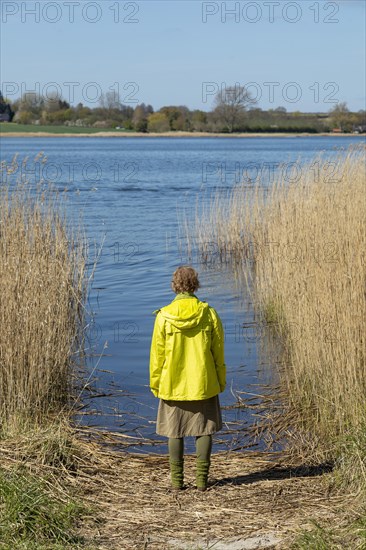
176	472
202	469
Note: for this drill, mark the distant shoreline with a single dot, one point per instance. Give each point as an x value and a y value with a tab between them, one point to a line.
171	135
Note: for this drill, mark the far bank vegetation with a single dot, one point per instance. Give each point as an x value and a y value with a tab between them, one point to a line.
231	109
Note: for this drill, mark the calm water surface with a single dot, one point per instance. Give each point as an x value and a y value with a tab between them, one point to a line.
128	192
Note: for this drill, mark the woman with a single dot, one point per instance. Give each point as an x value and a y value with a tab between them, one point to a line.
187	372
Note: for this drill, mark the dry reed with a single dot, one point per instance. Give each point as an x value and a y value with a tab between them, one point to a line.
43	288
300	244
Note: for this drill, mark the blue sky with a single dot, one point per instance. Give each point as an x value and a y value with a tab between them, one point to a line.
303	55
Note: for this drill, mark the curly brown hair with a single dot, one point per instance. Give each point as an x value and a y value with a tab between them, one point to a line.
185	279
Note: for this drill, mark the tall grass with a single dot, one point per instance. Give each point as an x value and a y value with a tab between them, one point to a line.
43	289
301	245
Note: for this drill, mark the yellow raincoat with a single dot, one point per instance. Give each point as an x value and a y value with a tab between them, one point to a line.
187	351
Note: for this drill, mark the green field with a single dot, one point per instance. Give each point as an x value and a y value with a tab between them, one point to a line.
7	127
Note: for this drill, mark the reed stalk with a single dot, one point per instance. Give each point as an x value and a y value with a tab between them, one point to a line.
43	291
300	243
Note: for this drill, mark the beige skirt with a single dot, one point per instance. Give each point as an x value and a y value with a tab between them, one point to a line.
184	418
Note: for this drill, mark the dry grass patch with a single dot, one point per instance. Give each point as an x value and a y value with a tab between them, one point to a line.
127	501
250	495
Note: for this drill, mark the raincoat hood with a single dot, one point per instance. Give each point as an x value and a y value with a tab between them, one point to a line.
185	312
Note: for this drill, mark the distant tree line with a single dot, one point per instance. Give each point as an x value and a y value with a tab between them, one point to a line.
233	110
6	112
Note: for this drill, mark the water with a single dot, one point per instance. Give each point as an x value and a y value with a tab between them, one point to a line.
128	192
